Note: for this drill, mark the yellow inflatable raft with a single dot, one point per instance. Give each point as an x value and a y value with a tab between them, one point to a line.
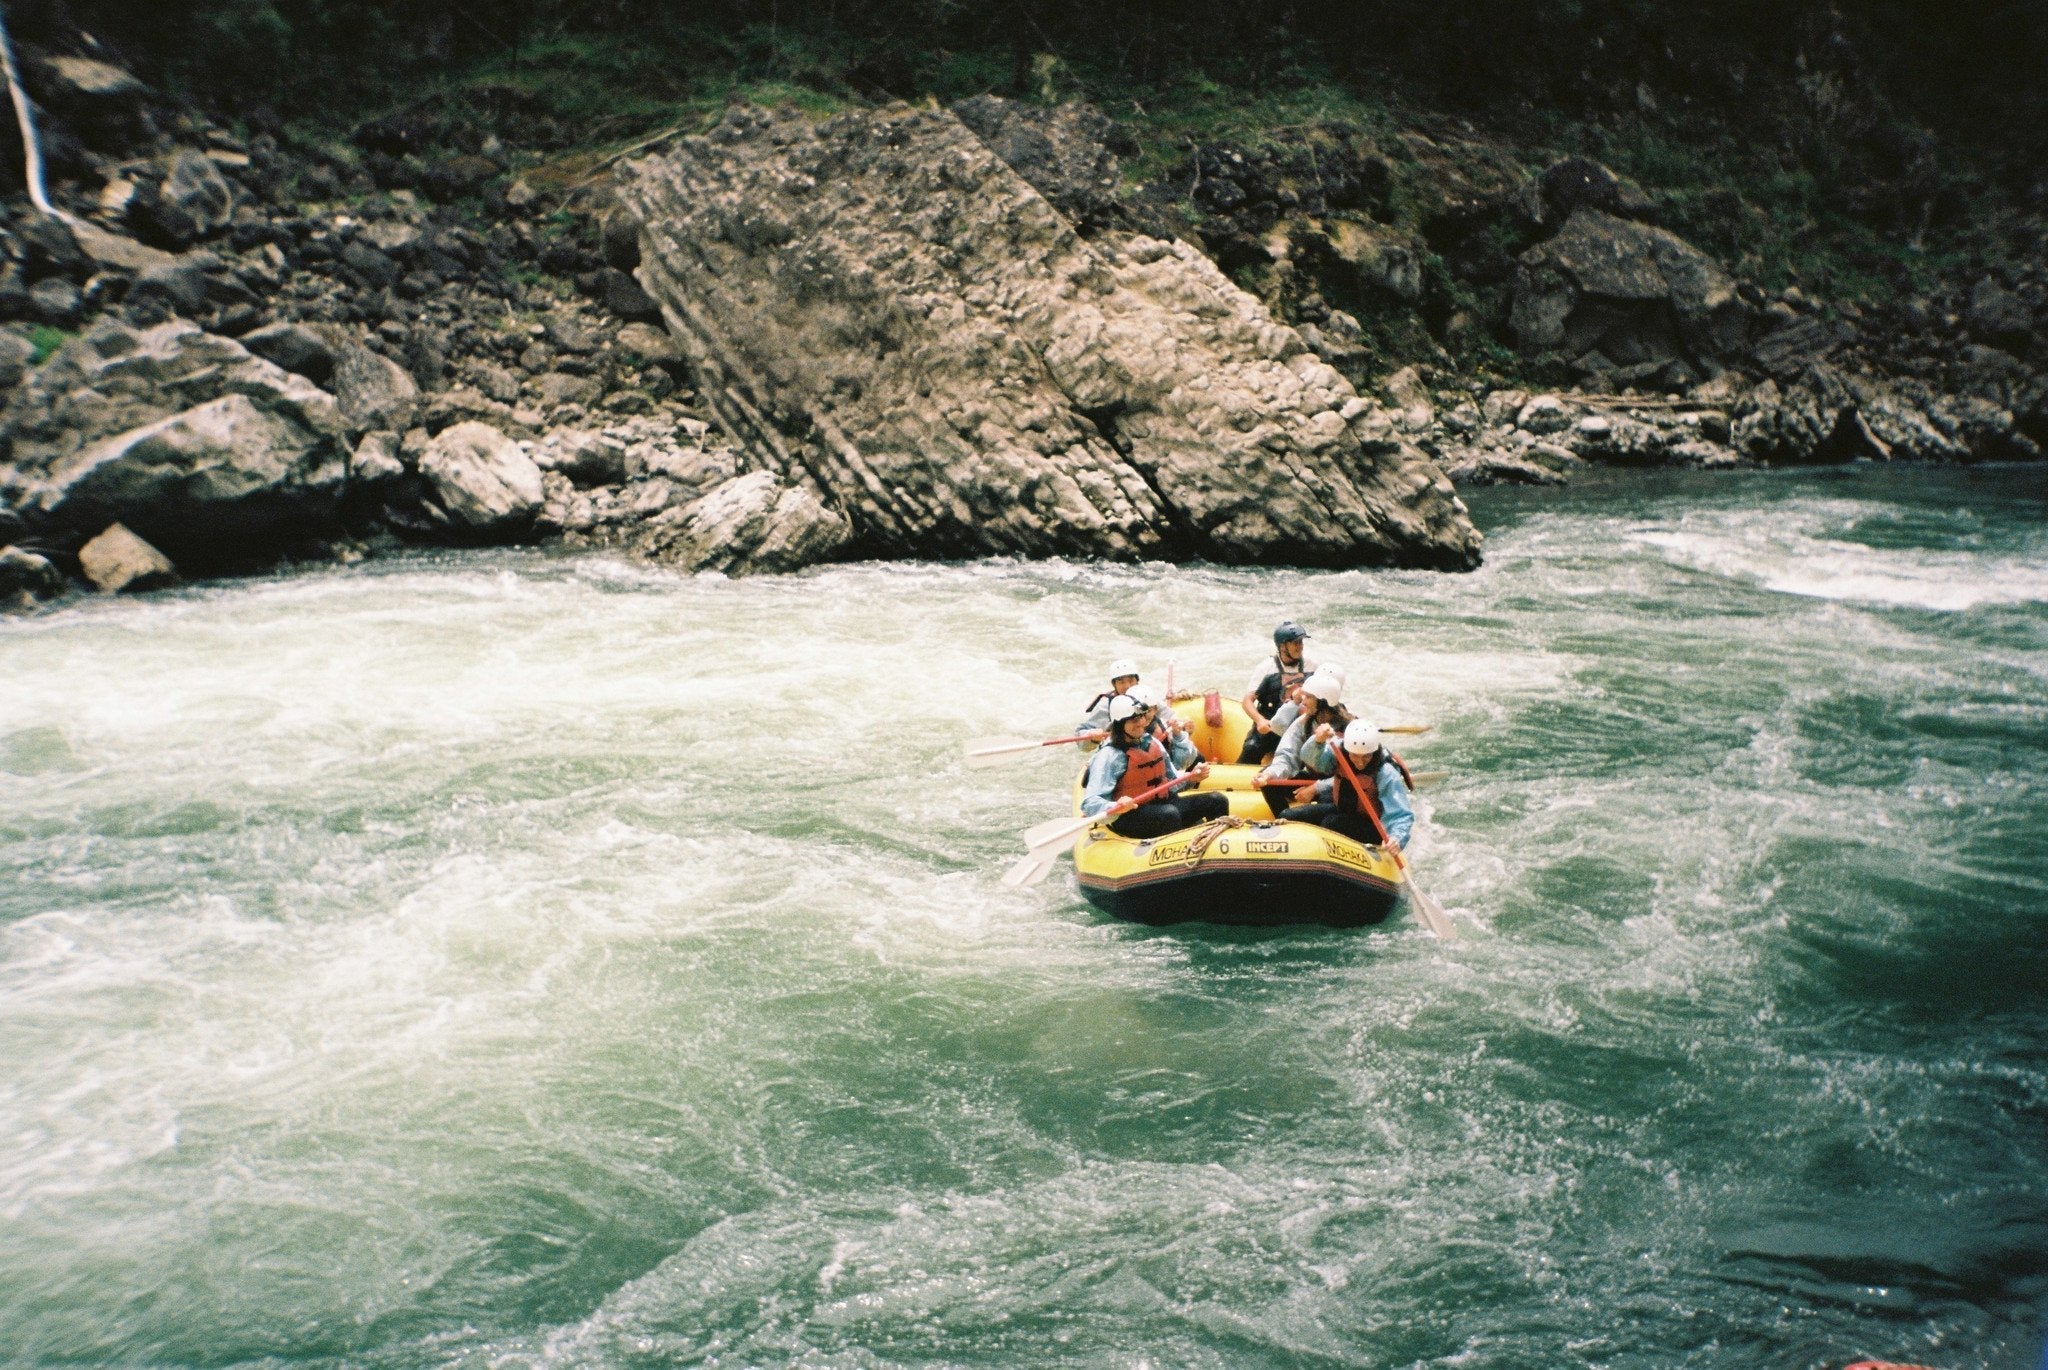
1250	869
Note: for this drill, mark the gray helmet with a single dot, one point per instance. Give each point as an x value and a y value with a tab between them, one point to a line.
1289	631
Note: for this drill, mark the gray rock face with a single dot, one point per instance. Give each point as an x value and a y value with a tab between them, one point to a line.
1833	415
880	309
586	458
56	301
375	462
373	391
1630	292
1063	153
1999	317
15	354
176	288
649	343
750	523
83	79
27	576
208	483
113	252
294	347
118	560
213	454
489	488
193	201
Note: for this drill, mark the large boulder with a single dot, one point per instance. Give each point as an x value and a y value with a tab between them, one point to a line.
880	308
26	577
294	347
220	485
752	522
488	488
371	390
192	201
215	455
1627	291
106	105
117	560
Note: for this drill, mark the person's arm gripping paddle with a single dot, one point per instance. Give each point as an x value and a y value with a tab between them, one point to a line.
1433	916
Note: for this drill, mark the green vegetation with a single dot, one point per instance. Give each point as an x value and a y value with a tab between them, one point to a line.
1858	155
46	340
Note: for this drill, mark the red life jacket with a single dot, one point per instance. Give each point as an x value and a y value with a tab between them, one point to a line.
1369	781
1144	768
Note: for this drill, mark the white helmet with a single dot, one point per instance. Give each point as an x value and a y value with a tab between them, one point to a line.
1122	707
1325	686
1361	736
1122	667
1327	669
1150	696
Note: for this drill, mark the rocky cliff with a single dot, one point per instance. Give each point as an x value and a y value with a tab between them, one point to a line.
893	317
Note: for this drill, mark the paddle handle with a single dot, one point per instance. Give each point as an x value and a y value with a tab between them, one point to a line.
1073	737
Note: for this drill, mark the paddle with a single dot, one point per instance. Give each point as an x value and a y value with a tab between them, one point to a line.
1407	729
1433	916
1059	830
1031	867
984	752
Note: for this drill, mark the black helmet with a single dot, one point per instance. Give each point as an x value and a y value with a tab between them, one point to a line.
1289	631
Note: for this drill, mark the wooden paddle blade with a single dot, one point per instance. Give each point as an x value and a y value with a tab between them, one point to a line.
1408	729
1433	916
1031	868
1430	777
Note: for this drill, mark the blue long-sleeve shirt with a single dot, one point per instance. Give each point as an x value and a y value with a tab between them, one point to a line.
1397	814
1105	769
1300	754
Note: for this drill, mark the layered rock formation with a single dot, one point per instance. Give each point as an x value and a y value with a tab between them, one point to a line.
898	324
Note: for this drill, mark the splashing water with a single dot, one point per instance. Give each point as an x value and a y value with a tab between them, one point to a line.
525	959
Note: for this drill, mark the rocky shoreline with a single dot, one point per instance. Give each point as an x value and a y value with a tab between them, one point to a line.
900	332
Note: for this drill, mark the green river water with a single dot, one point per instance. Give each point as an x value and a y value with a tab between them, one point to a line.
522	959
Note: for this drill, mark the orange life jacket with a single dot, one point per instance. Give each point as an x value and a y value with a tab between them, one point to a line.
1144	768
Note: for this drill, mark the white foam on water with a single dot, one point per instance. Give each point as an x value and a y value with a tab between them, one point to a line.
1795	548
394	922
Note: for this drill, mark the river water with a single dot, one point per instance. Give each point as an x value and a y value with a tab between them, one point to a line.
508	959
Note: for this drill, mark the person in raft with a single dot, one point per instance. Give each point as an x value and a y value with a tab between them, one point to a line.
1123	673
1131	762
1285	715
1272	686
1169	727
1384	777
1305	748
